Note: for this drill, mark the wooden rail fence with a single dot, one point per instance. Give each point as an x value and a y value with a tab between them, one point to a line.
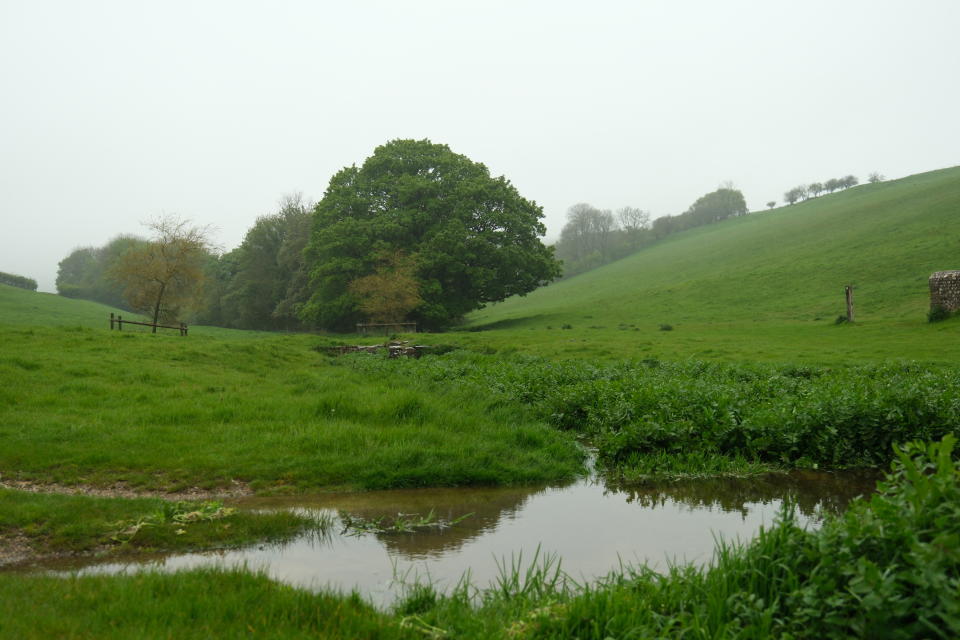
119	322
386	328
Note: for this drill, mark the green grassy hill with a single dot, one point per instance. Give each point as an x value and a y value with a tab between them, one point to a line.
31	308
768	279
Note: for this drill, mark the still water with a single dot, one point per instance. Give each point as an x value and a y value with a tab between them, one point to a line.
590	527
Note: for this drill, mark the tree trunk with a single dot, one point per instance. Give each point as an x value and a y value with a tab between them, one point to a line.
156	307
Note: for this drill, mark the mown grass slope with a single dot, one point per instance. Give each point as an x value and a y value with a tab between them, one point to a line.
767	286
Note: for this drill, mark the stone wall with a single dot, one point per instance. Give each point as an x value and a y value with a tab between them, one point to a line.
945	290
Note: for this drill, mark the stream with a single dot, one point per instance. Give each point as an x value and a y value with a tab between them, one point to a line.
588	527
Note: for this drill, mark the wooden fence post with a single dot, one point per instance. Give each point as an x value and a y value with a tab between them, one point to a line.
119	323
111	322
849	292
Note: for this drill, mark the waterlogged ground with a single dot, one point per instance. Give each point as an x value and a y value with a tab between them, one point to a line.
591	527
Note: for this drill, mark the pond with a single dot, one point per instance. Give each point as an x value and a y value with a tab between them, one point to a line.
589	527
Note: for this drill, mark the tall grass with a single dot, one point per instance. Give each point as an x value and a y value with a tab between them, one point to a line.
163	412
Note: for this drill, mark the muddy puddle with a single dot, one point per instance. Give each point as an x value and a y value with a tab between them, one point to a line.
591	528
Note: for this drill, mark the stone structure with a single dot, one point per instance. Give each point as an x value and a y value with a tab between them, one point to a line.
945	290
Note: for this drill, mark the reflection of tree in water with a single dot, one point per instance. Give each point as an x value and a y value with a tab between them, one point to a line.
812	491
487	506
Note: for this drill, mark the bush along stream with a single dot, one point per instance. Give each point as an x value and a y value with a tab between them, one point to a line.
652	419
887	568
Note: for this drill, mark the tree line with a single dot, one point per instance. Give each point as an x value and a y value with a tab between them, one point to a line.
593	237
14	280
417	233
814	189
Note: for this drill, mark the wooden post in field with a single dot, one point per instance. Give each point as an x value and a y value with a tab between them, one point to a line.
119	323
111	322
849	291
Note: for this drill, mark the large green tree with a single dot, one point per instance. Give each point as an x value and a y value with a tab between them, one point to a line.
473	238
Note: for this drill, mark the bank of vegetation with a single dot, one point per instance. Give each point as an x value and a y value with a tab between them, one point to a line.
653	419
886	568
14	280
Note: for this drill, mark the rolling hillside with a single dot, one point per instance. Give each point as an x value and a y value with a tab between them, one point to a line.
771	276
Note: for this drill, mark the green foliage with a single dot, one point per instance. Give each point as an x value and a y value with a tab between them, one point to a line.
261	283
473	237
673	419
163	278
716	206
21	282
85	273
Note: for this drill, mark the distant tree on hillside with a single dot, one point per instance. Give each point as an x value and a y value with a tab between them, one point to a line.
21	282
633	219
716	206
849	181
796	194
831	185
163	277
588	232
771	204
814	189
875	177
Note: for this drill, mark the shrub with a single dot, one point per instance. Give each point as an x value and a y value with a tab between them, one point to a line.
18	281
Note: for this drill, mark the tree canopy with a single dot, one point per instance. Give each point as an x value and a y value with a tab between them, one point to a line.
259	284
163	278
472	238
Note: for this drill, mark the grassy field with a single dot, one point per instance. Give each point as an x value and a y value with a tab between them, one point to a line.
764	287
168	413
752	373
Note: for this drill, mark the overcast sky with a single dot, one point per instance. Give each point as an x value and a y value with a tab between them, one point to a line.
114	112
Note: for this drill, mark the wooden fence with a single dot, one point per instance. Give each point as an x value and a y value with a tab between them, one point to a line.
119	322
386	328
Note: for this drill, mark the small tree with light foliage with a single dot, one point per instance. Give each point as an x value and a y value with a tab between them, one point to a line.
163	278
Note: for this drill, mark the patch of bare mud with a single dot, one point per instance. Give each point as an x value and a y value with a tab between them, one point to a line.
120	490
14	549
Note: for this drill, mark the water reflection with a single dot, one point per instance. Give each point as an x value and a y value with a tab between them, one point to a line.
484	508
590	526
813	492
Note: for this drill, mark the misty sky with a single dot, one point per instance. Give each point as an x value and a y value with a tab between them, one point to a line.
115	112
